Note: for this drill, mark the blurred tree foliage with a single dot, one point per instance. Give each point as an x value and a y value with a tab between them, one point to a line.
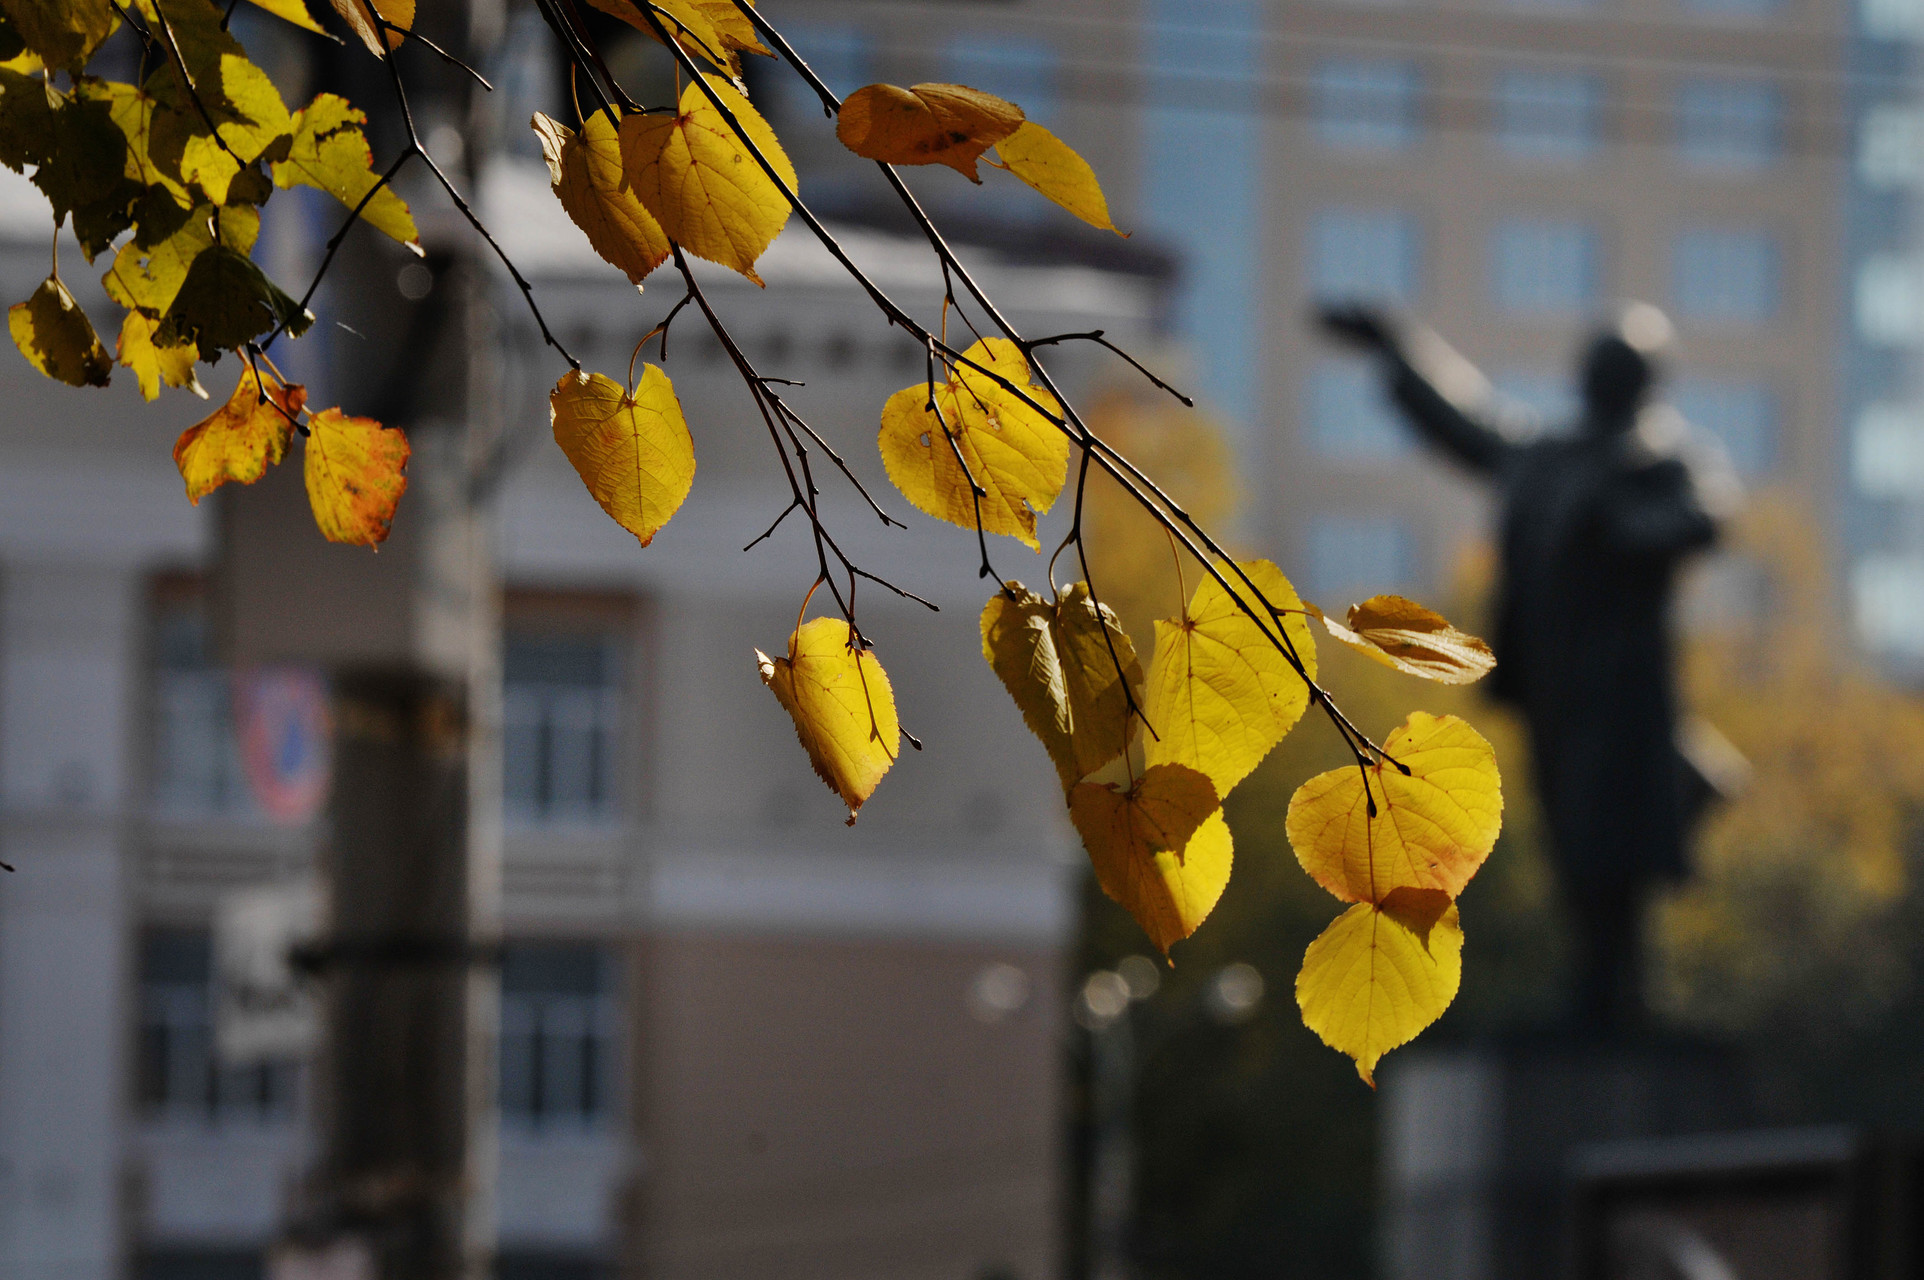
1800	937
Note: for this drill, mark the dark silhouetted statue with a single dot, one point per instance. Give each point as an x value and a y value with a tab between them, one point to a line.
1595	523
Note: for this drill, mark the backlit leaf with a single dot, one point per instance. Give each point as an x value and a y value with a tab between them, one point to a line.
1161	848
225	301
26	120
949	124
63	32
634	454
585	169
1018	457
1052	167
1404	635
242	438
711	29
356	474
1220	693
1381	973
153	364
1432	829
362	14
700	181
1056	662
149	278
56	337
294	11
842	706
85	171
330	153
132	112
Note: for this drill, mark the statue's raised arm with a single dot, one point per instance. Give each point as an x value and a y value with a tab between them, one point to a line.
1431	384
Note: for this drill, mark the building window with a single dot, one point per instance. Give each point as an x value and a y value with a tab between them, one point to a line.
196	753
1729	124
1548	115
1354	557
1022	71
1349	415
1741	414
1544	266
1374	254
1368	104
1888	594
561	725
179	1076
1725	275
1732	8
1887	451
559	1020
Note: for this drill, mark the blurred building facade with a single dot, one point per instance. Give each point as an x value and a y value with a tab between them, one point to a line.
1510	173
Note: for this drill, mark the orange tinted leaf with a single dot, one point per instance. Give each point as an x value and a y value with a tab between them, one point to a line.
842	706
1432	829
242	438
356	474
949	124
1404	635
1381	973
1161	848
361	15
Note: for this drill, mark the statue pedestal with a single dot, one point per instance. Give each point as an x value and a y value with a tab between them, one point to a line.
1474	1142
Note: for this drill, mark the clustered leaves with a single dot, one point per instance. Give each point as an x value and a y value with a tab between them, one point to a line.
166	176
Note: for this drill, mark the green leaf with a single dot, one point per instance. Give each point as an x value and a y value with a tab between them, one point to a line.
63	32
225	302
56	337
329	152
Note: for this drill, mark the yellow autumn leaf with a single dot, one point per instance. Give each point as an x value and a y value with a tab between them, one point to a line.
1381	973
1432	828
330	153
356	473
154	364
64	32
361	15
1220	693
1052	167
244	437
1056	662
949	124
585	170
700	180
1405	636
294	11
633	452
842	706
56	337
1161	848
711	29
1018	457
